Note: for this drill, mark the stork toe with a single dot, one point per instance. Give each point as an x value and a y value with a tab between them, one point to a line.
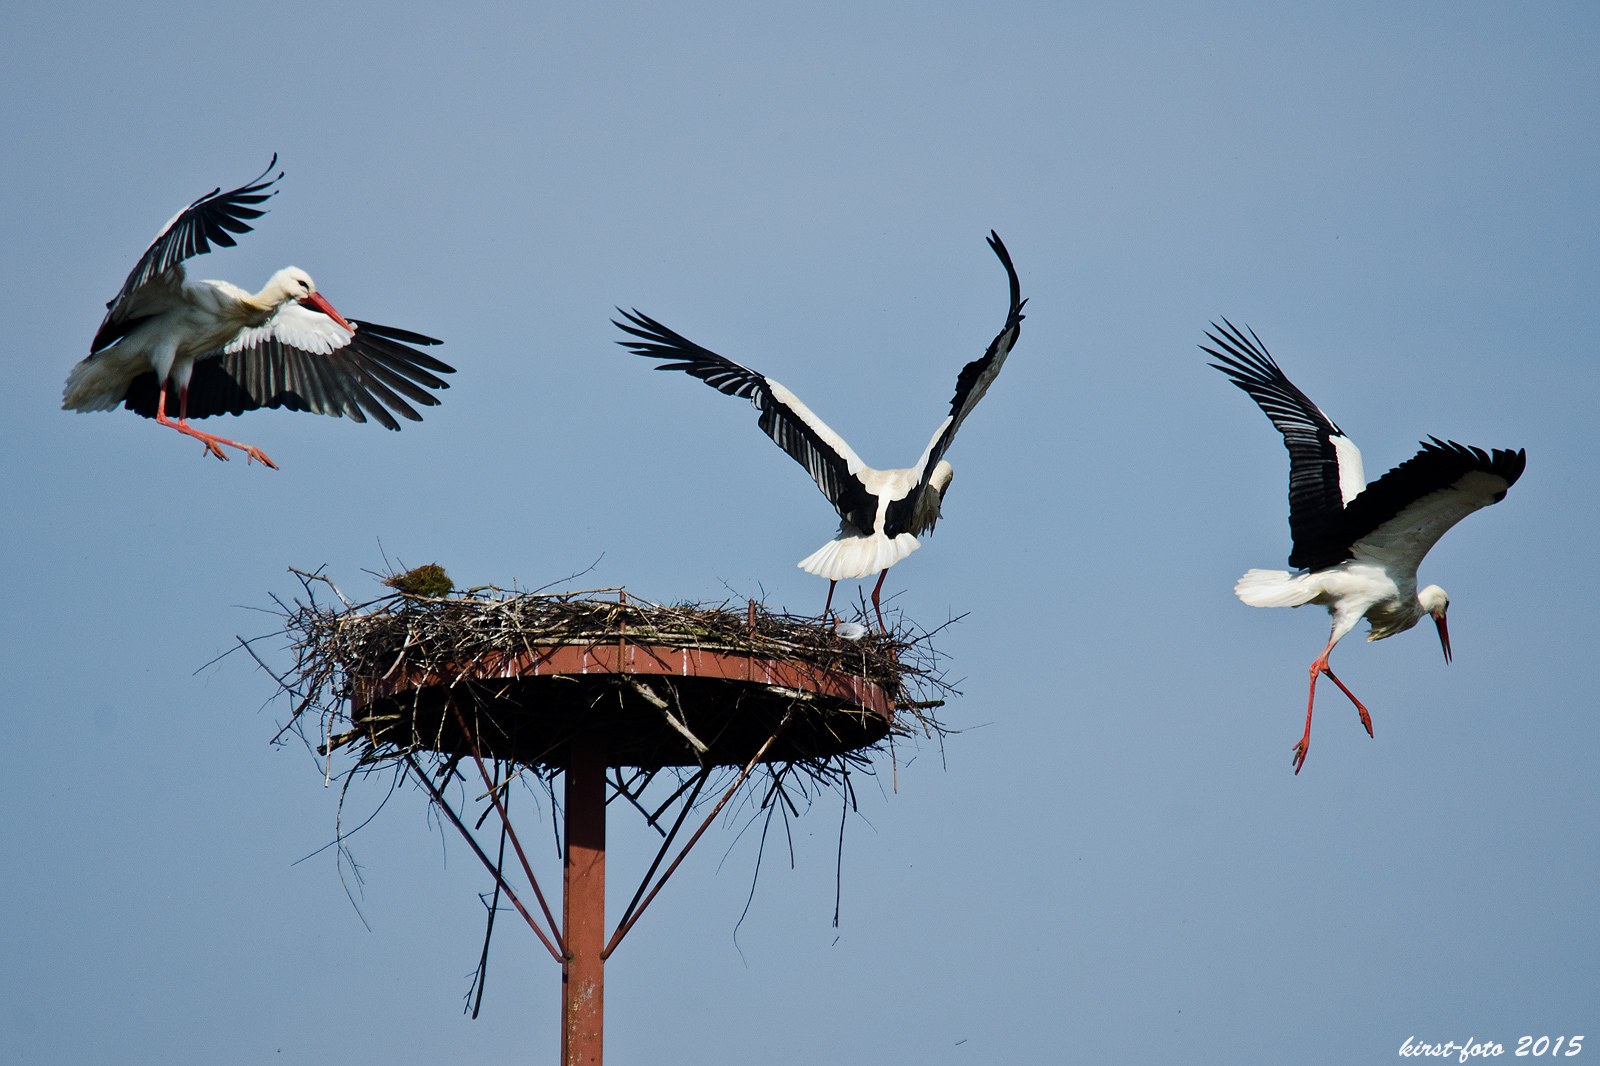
252	452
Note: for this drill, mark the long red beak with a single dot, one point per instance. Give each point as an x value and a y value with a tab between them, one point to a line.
316	300
1444	635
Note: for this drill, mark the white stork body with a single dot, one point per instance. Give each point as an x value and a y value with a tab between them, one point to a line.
881	512
862	553
1358	545
176	324
284	346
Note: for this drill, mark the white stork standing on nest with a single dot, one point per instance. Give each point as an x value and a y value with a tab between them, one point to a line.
881	512
209	348
1357	545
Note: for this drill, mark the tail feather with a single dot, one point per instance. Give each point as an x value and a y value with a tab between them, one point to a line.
858	556
98	383
1275	588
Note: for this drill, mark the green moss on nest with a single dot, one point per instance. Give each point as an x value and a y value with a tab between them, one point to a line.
430	581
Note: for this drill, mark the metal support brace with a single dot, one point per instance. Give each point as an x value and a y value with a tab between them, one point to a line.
622	928
439	801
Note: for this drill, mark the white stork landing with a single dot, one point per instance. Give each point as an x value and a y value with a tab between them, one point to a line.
880	511
1357	545
220	349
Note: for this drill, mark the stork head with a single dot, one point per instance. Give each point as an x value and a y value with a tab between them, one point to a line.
928	507
1437	603
292	283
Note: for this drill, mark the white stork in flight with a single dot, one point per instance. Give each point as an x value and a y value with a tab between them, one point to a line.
881	512
210	348
1357	545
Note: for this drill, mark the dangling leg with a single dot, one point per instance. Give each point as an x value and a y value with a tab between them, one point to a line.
210	440
830	600
1311	699
181	426
875	589
1317	668
1366	719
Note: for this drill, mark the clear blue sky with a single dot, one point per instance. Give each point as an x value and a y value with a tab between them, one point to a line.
1114	863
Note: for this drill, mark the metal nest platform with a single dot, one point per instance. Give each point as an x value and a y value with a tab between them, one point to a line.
615	694
657	705
666	686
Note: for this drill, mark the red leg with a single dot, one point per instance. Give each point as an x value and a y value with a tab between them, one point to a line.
1305	739
1317	668
180	425
210	440
1366	719
830	600
875	589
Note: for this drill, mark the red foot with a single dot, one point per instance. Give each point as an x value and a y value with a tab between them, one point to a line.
211	448
210	440
252	452
1300	754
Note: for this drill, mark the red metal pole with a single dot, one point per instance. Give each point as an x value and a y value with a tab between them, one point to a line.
583	903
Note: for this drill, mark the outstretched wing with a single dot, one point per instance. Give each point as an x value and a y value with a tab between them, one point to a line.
302	360
1325	471
215	217
1405	512
824	454
973	382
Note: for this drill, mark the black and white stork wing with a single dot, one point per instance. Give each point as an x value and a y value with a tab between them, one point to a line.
1405	512
971	384
213	218
302	360
827	458
1325	471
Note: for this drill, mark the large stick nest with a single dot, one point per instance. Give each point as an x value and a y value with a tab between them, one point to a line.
424	683
679	685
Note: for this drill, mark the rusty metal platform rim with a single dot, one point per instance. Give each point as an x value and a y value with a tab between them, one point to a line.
640	660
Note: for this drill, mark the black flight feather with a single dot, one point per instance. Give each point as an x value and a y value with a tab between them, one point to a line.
827	467
971	384
213	218
1439	465
1315	502
361	378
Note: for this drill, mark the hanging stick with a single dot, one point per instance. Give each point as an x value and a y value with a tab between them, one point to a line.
488	932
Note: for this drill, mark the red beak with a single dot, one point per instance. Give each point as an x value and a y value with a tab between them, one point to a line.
316	300
1444	635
